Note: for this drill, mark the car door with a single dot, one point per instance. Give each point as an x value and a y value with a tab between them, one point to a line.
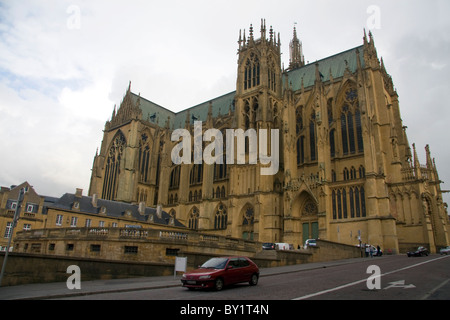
232	273
246	270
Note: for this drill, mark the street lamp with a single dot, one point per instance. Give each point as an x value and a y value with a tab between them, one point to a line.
22	191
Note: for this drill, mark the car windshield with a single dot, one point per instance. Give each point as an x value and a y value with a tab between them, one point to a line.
215	263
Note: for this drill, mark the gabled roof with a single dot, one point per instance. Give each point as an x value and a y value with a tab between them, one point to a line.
114	209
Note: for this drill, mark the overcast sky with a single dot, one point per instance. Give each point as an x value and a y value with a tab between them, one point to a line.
65	64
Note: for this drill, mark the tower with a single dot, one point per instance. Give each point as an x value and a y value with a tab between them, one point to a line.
296	58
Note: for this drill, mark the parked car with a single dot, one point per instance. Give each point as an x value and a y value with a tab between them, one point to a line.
445	250
310	243
268	246
222	271
421	251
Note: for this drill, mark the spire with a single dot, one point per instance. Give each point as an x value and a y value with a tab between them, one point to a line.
296	59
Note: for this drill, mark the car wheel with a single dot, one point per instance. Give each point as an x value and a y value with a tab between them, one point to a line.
254	280
218	284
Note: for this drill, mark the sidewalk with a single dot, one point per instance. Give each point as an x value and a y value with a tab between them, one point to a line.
59	289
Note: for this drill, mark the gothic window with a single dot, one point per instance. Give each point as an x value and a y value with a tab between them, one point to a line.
218	192
312	138
112	168
196	174
351	129
346	174
193	218
362	172
252	72
221	217
300	150
222	192
144	157
175	178
352	173
352	198
332	143
220	171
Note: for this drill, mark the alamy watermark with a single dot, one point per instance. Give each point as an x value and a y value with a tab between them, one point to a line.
74	281
74	19
374	19
213	152
374	281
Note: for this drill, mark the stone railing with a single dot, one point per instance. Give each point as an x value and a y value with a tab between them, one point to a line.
159	235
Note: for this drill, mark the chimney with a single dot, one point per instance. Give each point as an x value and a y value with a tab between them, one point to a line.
159	211
94	200
79	193
141	208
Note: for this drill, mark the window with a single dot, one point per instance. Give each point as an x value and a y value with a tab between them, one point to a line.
352	198
351	128
193	219
26	227
112	168
88	223
130	249
70	247
101	224
8	229
312	140
95	247
30	207
73	221
252	72
221	217
59	219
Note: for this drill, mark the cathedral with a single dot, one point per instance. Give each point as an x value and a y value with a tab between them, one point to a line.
346	170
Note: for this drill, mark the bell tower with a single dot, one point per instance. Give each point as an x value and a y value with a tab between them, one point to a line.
259	77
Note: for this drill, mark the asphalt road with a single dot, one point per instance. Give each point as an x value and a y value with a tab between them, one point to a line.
380	278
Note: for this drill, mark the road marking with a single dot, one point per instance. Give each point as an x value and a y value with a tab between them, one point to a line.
364	280
400	284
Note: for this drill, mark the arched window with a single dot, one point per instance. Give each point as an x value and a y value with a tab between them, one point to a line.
196	174
312	137
252	72
144	157
112	168
175	178
332	144
351	129
221	217
193	218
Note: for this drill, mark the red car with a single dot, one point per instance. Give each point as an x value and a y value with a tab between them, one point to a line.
219	272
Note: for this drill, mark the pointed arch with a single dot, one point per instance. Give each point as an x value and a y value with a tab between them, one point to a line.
193	217
112	167
220	217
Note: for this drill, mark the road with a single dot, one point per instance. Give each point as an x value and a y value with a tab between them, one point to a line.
380	278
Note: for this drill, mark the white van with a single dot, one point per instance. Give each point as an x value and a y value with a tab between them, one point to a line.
282	246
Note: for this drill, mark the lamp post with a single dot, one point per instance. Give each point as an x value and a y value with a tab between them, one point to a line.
16	217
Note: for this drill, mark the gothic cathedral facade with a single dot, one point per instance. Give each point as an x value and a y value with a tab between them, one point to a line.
346	172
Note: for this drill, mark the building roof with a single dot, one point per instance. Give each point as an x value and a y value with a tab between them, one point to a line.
113	209
334	65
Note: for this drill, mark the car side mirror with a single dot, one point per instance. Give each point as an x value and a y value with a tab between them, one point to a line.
229	267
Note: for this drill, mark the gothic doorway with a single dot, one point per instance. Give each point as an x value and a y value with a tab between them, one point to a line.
305	211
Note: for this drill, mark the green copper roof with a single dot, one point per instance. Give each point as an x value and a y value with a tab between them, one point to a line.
335	65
